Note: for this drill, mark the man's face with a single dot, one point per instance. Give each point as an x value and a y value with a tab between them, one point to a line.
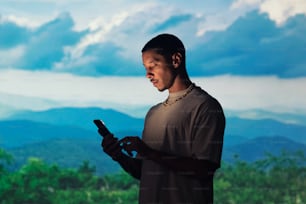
160	72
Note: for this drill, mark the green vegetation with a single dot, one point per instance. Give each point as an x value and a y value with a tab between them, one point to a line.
275	179
39	183
280	179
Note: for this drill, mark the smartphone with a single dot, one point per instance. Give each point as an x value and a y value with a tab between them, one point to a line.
103	129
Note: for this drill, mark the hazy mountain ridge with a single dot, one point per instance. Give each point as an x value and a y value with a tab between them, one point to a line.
82	117
67	153
16	133
30	127
71	153
68	137
256	149
251	128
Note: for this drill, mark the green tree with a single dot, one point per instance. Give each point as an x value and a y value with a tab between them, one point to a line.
33	183
274	179
5	159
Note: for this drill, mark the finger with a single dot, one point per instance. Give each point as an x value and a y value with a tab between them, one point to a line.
108	141
109	144
104	132
113	151
124	140
128	149
113	147
128	138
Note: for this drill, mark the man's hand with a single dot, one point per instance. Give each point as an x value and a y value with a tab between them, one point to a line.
200	169
104	132
134	143
111	146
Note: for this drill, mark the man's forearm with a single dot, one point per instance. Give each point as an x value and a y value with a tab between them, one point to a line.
130	165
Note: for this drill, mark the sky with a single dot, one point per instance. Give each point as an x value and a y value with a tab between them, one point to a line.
249	54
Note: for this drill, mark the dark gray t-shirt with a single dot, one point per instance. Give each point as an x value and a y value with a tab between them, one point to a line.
191	127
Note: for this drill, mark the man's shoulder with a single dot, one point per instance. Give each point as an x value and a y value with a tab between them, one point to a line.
200	94
201	97
154	107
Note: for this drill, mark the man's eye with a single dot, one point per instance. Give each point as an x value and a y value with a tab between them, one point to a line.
152	66
153	62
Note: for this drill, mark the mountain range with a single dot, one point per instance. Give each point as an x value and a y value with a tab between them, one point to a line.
68	137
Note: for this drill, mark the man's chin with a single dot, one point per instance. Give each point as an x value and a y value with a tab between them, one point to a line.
161	89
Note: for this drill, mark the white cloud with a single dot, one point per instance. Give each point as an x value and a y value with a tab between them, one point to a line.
281	10
119	93
8	57
98	36
245	3
267	93
111	27
278	10
125	24
21	21
115	18
132	94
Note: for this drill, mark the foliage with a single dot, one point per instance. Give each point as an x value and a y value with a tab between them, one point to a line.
37	182
275	179
5	159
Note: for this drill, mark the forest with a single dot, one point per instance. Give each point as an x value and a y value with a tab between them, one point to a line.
271	180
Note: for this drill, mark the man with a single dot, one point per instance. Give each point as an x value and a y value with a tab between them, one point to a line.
182	140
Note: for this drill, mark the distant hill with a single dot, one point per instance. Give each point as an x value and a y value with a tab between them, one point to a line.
70	153
255	149
265	127
22	132
68	137
29	127
82	118
230	140
118	122
67	153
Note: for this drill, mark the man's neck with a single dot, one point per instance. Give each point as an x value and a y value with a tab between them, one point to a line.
180	84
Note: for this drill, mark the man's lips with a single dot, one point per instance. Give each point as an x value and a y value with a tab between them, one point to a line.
154	82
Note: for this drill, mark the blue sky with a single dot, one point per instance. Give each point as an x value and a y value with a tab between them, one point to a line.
248	53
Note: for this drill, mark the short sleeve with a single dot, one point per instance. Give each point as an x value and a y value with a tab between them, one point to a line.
208	131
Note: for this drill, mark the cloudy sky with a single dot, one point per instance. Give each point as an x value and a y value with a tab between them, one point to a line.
249	54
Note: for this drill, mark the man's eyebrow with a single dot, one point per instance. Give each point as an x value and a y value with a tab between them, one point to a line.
150	62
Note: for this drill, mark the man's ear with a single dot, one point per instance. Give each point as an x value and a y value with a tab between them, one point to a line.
176	59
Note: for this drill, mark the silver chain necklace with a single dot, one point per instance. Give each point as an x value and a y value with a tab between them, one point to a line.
167	103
